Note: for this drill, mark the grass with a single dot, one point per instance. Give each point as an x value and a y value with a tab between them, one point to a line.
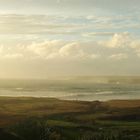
61	123
34	118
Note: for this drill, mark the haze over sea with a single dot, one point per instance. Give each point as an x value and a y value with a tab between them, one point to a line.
86	88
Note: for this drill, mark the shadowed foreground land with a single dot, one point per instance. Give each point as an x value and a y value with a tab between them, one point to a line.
53	119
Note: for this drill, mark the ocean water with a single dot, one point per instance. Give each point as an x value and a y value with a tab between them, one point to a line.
86	89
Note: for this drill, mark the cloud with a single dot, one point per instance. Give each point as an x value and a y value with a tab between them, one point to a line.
138	53
37	24
119	40
124	42
8	53
51	50
64	25
135	44
12	56
45	49
119	56
70	49
120	46
90	4
92	34
61	50
75	50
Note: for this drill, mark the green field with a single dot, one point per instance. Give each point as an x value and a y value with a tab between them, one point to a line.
53	119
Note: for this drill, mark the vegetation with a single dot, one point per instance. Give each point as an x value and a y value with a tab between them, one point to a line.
52	119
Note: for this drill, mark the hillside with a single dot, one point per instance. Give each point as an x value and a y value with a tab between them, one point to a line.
69	119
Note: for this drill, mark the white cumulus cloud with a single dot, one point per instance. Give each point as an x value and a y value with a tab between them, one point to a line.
119	40
59	49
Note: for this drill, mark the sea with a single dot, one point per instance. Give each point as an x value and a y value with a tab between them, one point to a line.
88	88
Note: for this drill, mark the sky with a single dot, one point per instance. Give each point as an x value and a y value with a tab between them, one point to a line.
44	38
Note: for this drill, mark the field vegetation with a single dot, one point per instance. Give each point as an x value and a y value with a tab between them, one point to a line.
53	119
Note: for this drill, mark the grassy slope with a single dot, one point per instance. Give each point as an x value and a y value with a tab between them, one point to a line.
13	109
72	118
